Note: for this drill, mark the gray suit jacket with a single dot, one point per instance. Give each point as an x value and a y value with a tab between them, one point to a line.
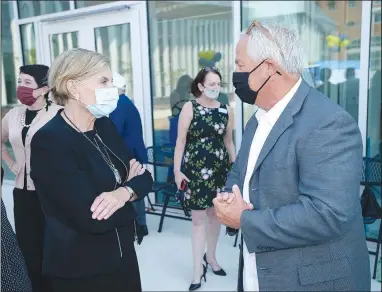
307	230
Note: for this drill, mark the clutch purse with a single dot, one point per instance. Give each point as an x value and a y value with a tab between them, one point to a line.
180	197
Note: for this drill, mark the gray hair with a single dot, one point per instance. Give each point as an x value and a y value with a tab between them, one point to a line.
276	42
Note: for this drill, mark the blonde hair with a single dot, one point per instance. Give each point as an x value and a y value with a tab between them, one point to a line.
75	64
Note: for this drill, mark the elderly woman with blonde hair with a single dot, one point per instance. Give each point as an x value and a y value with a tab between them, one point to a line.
86	180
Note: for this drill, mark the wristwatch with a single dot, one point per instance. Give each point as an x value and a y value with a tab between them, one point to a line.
131	192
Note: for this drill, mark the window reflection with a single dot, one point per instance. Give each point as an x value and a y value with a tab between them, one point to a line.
87	3
374	129
115	43
10	58
62	42
9	67
331	45
28	43
29	8
374	113
184	37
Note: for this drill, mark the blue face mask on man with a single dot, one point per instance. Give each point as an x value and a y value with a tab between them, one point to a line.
240	81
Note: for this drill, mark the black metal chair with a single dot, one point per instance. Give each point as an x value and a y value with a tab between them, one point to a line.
160	157
163	157
236	238
168	193
372	177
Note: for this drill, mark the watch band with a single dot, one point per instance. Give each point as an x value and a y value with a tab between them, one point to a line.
130	191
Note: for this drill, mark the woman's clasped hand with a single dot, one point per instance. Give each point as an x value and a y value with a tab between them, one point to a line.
107	203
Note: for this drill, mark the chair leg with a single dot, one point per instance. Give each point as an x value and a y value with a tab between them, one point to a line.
377	255
150	204
237	236
166	200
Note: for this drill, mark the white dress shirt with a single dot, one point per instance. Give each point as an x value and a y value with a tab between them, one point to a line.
266	120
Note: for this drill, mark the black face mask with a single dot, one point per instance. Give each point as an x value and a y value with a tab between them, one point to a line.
240	81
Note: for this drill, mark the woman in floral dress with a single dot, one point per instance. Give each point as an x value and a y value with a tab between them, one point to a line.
206	147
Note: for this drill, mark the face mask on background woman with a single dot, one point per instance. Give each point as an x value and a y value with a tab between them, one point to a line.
211	93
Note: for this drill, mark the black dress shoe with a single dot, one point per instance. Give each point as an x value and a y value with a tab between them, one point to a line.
142	231
197	286
221	272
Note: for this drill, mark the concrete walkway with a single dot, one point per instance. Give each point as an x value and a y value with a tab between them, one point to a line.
165	258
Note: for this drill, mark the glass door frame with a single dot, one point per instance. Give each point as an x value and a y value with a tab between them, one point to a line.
86	39
104	13
141	9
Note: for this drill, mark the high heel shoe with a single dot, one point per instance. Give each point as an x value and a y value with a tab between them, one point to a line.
221	272
197	286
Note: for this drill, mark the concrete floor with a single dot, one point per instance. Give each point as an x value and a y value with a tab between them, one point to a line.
165	258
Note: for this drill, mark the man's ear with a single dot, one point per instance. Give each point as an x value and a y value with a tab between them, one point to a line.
272	67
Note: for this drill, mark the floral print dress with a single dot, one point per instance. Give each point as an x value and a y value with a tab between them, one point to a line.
206	161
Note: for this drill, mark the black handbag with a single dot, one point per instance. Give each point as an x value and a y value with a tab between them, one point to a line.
180	197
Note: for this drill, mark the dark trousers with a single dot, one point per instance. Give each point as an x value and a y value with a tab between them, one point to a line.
30	226
124	279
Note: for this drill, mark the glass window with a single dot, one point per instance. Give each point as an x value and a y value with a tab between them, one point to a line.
36	8
354	56
28	43
354	44
9	67
374	113
331	47
10	59
115	43
332	5
377	18
352	4
61	42
87	3
181	34
375	40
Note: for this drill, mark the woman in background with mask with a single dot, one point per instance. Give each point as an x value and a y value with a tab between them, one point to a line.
19	126
86	180
206	147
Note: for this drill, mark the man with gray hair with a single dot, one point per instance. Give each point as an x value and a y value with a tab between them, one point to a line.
294	189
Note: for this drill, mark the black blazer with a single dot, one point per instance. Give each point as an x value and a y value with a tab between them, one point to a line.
69	173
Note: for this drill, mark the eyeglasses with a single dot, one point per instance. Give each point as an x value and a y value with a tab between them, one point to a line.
259	26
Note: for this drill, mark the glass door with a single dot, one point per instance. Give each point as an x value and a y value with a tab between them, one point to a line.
110	34
61	42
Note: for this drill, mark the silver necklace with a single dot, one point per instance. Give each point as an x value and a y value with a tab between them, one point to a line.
107	159
95	144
